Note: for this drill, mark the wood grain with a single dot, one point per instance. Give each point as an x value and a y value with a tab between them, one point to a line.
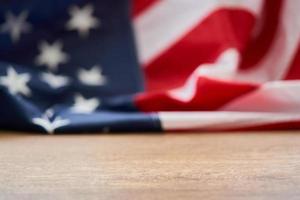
173	166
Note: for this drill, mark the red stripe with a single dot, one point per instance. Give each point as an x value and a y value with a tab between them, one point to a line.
140	6
292	125
260	45
222	29
294	70
210	95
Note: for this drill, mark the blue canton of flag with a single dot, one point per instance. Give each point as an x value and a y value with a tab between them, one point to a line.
69	65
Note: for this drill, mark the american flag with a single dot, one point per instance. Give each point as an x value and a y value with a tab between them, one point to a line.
149	65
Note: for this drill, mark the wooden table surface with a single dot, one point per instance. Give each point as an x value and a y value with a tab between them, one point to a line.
261	165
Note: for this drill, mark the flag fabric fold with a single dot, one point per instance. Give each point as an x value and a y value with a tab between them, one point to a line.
149	65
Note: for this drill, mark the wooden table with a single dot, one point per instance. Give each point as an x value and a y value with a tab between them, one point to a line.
148	166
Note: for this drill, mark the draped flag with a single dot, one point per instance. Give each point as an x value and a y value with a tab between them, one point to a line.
149	65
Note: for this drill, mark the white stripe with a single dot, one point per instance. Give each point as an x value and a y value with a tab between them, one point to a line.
169	20
273	102
221	120
276	63
279	96
224	67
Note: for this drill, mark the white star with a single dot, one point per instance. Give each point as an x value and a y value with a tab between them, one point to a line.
82	20
50	125
51	55
15	25
92	77
55	81
85	106
16	83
